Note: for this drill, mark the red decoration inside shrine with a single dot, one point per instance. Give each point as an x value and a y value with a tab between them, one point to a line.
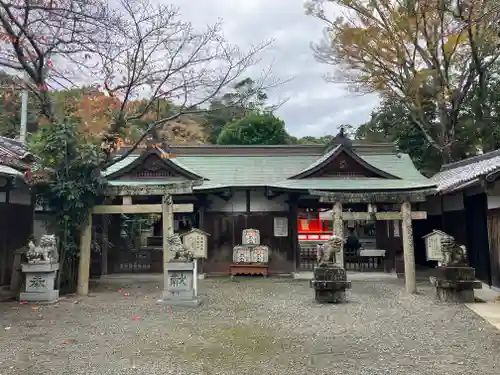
312	228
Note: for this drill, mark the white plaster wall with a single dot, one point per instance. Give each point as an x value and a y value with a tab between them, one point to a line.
238	203
433	205
259	203
20	195
493	201
453	202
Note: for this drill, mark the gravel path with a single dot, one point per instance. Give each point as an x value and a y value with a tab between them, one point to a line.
247	327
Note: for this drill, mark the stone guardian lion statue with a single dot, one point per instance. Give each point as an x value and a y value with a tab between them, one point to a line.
180	251
453	254
46	252
327	252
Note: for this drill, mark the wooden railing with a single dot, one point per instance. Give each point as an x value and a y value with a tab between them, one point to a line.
352	262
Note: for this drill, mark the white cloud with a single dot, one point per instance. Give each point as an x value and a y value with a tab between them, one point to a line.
315	107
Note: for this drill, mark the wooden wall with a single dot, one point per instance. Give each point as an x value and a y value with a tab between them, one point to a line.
494	240
16	226
226	232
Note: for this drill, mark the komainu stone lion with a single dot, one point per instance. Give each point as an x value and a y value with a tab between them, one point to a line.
326	253
453	254
46	252
181	252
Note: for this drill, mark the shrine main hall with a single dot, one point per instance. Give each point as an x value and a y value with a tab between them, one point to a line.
295	195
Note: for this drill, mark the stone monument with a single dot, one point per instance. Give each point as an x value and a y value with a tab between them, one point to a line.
40	270
180	287
250	258
454	279
330	280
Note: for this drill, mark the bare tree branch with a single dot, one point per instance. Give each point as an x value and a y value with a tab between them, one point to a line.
130	49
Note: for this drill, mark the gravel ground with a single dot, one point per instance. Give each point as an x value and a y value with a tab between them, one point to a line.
246	327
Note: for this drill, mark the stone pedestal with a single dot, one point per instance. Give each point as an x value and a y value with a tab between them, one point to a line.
179	284
330	283
455	284
40	280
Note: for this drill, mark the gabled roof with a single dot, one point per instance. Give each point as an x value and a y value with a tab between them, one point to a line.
272	166
464	173
123	166
434	232
331	155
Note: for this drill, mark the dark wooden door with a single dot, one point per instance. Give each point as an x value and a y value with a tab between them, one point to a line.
477	233
494	240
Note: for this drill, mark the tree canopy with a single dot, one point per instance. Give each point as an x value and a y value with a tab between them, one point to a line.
254	129
426	55
126	50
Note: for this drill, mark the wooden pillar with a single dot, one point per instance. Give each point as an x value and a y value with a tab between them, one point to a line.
167	223
85	254
293	234
338	229
104	245
409	255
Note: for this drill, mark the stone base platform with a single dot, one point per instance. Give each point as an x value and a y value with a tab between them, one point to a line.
177	302
330	291
330	283
455	291
40	297
179	285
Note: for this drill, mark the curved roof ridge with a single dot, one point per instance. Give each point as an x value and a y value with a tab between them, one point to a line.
331	154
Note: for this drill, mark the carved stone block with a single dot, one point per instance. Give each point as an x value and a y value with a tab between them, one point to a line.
40	280
455	284
330	283
179	285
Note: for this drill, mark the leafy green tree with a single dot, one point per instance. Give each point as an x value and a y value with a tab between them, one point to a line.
68	179
392	122
246	96
255	129
413	51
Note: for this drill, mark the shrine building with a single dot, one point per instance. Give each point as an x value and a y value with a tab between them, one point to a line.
295	195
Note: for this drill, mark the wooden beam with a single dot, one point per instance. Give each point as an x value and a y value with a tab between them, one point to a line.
178	188
373	197
139	209
416	215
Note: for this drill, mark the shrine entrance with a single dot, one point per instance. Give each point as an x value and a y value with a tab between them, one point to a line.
388	208
127	207
126	238
377	226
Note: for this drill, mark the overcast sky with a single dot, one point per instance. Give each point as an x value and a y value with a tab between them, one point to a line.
315	107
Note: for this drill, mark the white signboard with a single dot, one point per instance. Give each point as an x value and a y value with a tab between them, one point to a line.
396	228
196	241
280	227
433	245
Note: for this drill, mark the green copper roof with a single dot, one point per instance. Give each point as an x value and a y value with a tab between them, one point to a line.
275	170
